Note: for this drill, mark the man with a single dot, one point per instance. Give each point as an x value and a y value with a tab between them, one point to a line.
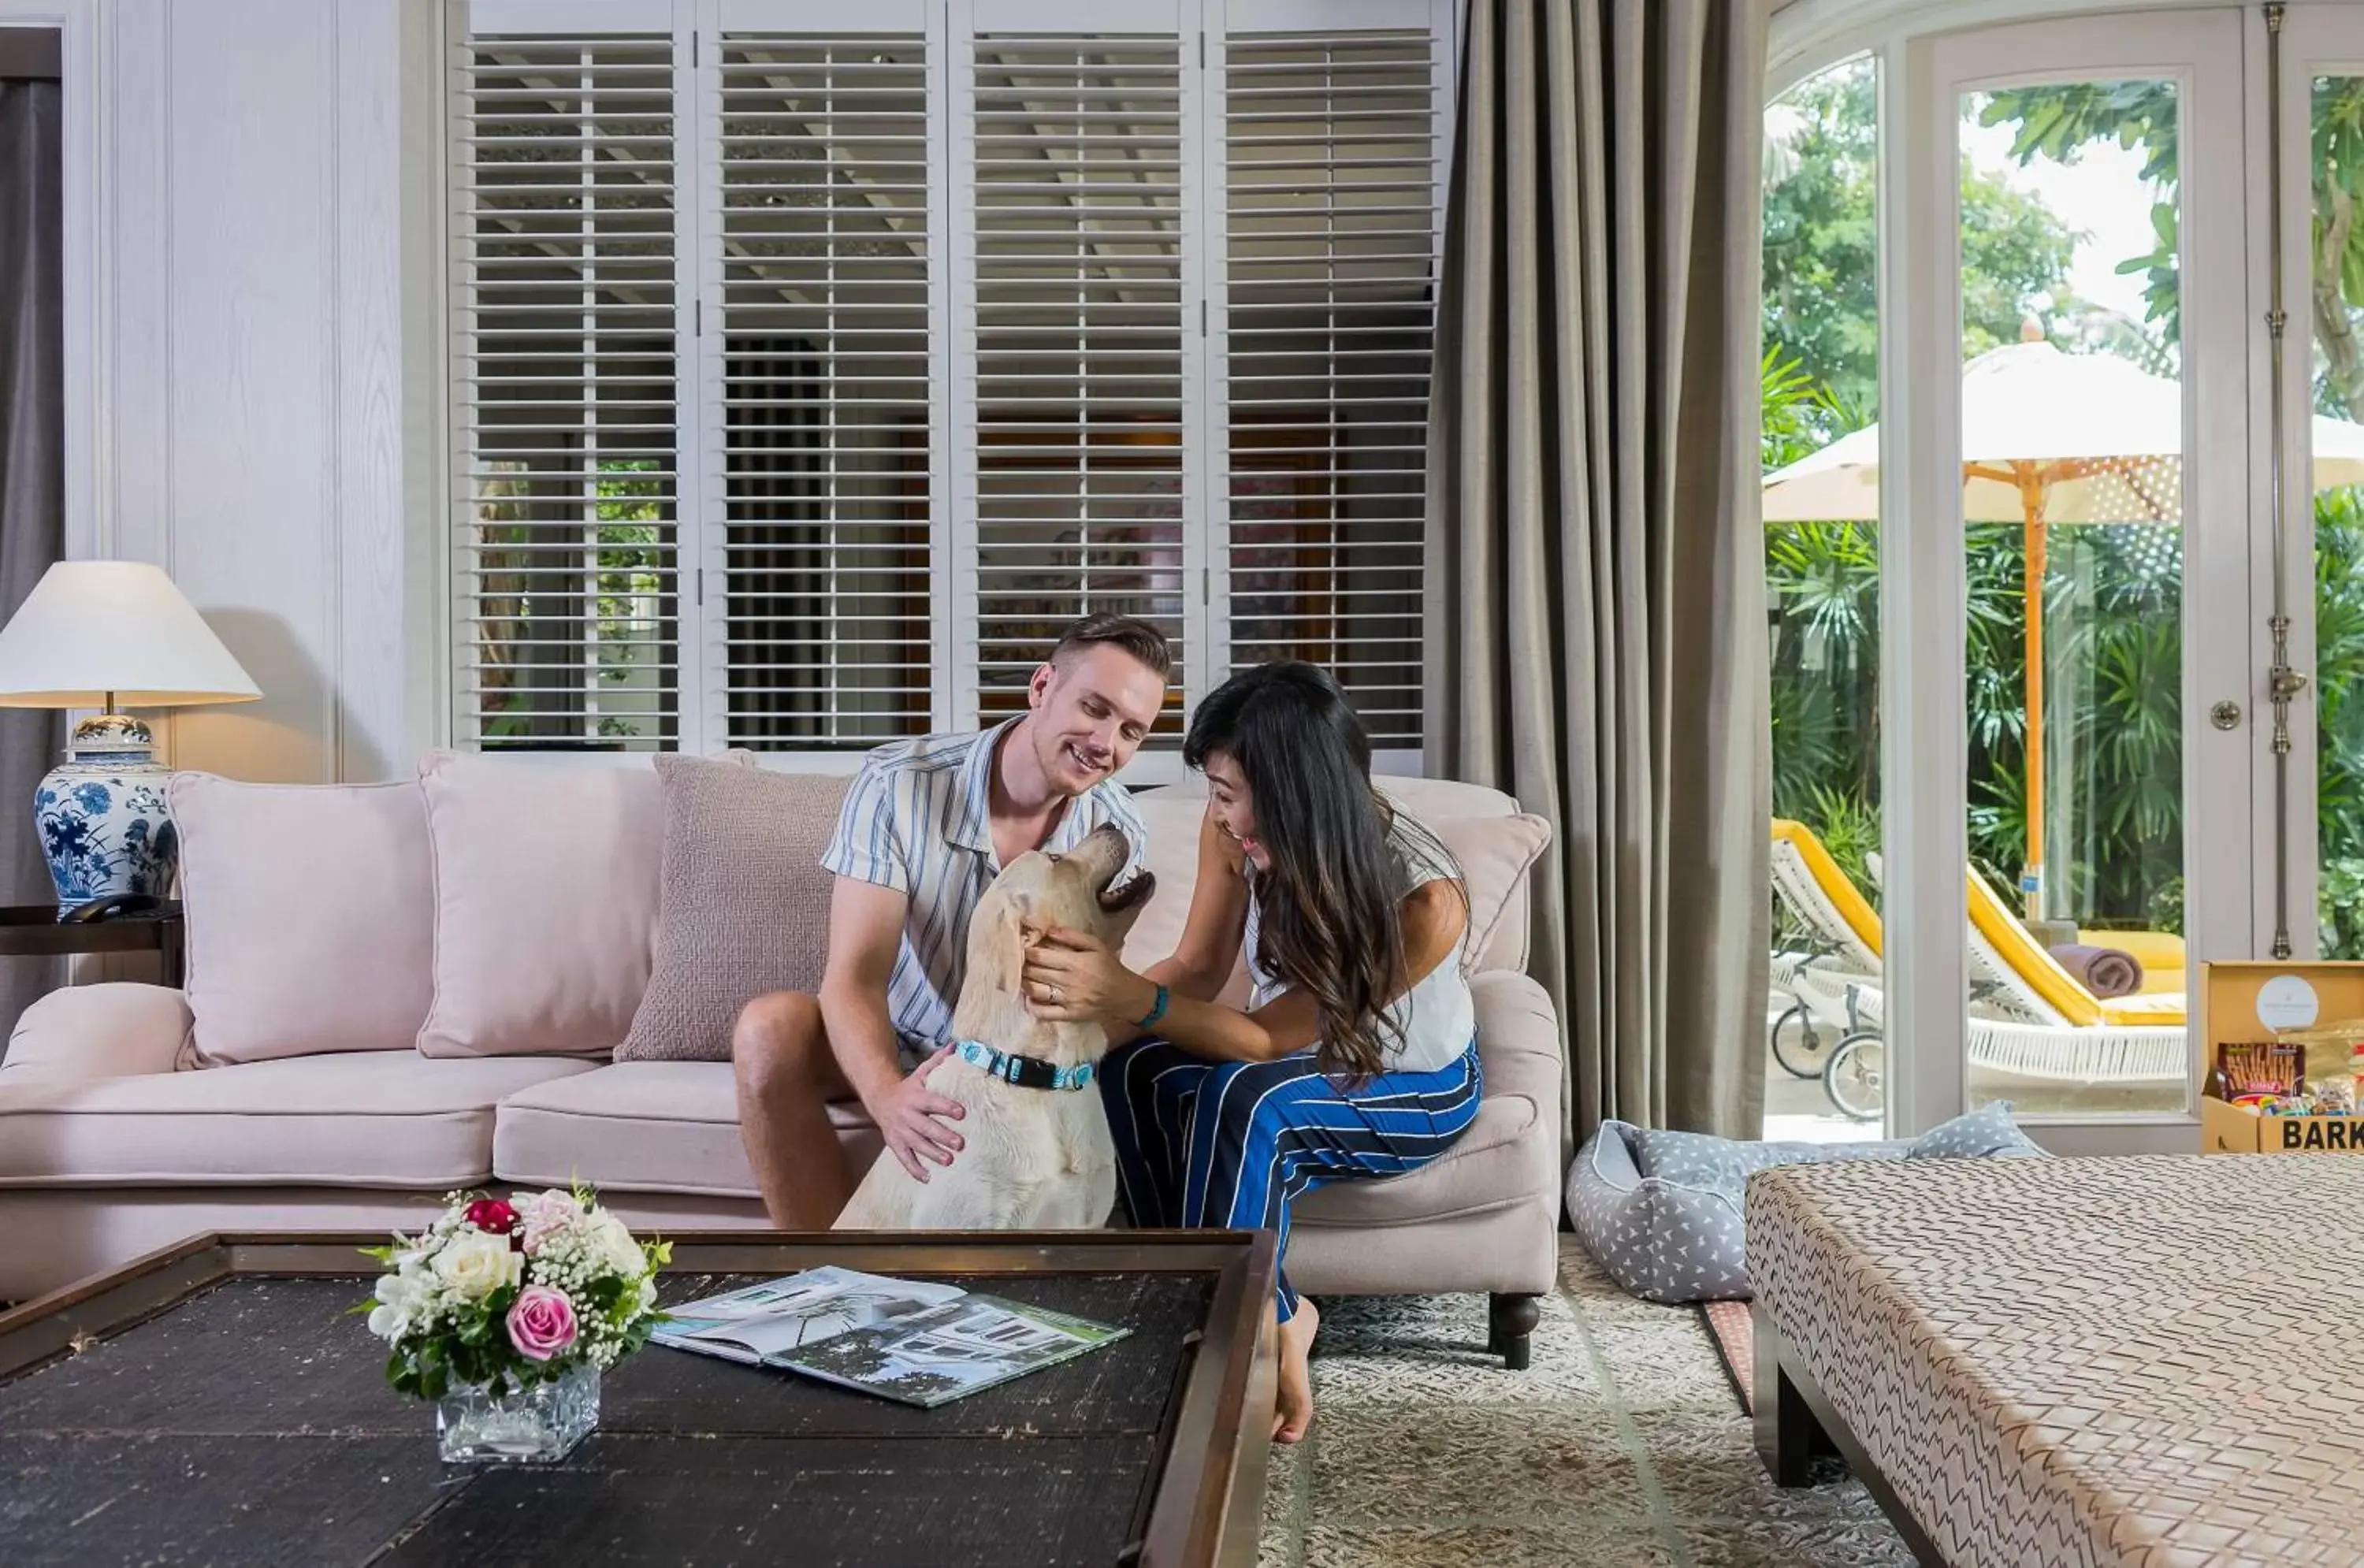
923	830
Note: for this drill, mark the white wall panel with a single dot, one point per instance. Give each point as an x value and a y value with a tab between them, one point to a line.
250	436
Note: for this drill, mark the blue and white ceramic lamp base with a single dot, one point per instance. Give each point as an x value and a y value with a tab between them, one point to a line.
101	813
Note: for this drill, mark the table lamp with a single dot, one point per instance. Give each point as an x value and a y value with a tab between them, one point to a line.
96	634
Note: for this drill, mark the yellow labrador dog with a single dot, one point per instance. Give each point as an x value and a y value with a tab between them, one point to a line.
1036	1154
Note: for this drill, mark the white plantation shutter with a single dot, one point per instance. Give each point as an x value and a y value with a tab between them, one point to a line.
1331	156
564	378
815	365
828	380
1075	286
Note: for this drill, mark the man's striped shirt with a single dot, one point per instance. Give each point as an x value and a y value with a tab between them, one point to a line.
918	819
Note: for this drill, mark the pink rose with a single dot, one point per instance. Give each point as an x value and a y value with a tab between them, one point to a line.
493	1217
541	1322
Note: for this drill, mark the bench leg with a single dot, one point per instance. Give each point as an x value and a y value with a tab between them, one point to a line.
1510	1320
1789	1437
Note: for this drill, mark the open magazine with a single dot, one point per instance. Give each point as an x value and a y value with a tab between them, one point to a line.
921	1343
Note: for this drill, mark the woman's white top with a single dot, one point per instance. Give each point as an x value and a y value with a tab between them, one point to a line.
1437	1016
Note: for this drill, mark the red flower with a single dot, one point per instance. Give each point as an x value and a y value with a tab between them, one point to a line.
492	1216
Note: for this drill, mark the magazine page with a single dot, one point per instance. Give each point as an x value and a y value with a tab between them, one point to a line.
956	1349
799	1310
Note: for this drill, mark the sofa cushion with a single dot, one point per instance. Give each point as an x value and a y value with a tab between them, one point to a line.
1495	854
744	907
359	1119
650	1126
546	873
310	916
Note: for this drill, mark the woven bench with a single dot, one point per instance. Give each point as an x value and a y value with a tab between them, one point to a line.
2138	1361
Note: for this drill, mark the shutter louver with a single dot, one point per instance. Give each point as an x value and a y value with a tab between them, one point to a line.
1331	145
827	388
1078	301
563	405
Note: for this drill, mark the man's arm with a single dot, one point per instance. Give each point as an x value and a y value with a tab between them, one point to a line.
865	933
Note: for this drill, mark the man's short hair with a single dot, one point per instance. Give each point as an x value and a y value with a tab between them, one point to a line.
1137	637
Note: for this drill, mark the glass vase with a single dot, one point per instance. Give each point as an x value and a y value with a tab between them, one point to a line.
539	1425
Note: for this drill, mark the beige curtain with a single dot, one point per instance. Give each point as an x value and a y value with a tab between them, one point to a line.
1596	592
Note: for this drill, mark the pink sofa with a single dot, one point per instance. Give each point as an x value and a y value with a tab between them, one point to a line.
119	1133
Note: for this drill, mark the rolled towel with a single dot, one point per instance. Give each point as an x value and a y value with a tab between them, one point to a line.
2105	972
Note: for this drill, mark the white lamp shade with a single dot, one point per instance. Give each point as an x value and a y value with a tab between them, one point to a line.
90	629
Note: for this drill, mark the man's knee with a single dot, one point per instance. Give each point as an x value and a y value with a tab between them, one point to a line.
779	1039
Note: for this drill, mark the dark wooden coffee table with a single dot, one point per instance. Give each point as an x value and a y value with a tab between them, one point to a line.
214	1401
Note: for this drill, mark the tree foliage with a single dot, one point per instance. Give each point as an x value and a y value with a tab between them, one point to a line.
1822	249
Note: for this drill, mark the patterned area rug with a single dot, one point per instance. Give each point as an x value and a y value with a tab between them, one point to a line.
1621	1445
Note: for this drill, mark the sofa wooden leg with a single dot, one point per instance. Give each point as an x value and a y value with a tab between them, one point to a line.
1510	1320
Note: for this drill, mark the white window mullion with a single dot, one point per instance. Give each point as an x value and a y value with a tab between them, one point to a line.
696	264
956	575
952	536
1205	619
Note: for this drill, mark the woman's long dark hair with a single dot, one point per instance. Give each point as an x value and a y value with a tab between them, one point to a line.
1329	920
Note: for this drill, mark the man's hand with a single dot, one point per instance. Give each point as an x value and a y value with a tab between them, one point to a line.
915	1120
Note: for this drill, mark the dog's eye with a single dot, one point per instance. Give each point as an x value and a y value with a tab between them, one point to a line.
1057	859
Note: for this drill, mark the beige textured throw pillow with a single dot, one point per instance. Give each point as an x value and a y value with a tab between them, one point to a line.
1495	854
545	901
745	902
311	921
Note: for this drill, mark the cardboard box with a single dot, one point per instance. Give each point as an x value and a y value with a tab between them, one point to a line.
2229	1129
2254	1000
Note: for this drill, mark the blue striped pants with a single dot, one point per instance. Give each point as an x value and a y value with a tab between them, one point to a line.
1233	1143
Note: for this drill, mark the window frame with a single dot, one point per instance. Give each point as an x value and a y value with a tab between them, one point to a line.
700	702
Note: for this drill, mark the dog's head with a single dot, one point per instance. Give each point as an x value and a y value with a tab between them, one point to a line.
1040	890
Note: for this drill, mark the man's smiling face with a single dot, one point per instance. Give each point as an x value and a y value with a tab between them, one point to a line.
1092	711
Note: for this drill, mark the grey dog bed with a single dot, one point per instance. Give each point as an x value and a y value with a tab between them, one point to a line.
1661	1211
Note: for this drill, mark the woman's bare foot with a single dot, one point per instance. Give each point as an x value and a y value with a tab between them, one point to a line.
1293	1410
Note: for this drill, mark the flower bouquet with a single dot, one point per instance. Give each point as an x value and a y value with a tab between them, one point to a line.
505	1314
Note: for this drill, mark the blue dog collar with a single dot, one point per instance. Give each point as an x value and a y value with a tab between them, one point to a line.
1026	1071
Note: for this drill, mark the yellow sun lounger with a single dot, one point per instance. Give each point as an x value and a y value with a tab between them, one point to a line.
2029	1017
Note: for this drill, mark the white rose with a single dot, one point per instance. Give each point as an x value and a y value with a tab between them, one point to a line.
387	1323
613	1248
474	1264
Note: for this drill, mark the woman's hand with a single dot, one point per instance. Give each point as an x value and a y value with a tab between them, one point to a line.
1071	977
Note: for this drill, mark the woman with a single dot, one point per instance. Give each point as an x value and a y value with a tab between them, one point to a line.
1357	1055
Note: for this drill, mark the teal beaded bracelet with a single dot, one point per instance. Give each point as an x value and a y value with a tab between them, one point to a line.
1158	1011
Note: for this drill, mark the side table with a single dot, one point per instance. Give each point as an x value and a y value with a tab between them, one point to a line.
34	931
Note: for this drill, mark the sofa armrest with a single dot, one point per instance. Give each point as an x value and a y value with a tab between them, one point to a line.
1518	1043
114	1030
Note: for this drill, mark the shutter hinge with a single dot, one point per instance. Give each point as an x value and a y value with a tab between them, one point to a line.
697	317
692	50
1202	51
1202	318
1206	581
701	584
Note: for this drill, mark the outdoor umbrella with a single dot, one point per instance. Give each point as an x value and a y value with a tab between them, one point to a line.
2047	438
